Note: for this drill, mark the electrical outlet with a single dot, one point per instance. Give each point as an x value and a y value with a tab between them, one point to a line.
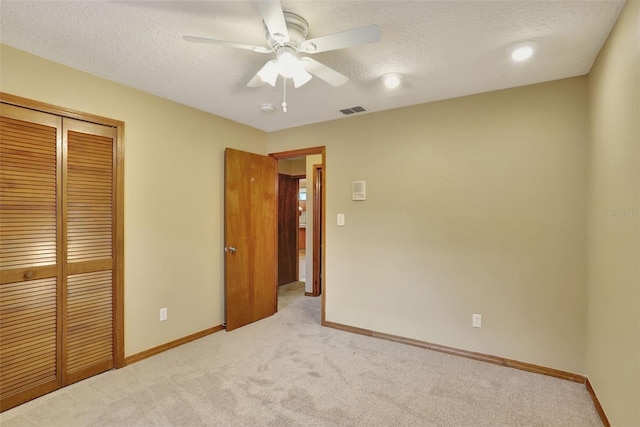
477	321
163	314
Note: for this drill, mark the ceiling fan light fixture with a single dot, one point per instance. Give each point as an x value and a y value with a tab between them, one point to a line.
300	79
392	80
269	73
289	66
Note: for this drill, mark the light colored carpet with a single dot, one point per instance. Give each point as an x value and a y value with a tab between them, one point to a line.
288	370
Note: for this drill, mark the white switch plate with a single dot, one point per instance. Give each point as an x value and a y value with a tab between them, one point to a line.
340	219
163	314
477	321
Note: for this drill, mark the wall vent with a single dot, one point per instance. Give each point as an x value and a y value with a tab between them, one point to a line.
352	110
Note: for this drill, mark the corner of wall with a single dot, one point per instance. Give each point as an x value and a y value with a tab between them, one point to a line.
613	307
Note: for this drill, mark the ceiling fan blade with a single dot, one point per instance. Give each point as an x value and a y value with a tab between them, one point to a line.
258	49
273	16
323	72
267	74
343	39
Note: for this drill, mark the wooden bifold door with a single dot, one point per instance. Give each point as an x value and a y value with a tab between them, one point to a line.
58	251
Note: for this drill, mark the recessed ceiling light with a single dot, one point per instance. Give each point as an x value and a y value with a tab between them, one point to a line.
523	51
392	80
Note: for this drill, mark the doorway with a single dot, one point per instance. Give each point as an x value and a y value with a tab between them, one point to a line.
289	212
312	222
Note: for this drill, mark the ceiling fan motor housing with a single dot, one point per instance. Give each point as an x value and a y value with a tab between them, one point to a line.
298	30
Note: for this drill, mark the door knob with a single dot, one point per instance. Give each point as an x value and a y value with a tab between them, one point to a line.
231	249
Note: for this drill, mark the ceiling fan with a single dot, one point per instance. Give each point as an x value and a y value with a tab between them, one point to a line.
286	36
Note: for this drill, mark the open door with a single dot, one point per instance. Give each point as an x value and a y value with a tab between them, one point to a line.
287	229
250	223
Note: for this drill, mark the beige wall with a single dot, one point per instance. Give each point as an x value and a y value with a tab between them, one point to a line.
613	343
474	205
173	194
298	166
293	167
284	167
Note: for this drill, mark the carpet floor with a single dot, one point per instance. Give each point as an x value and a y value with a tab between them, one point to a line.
288	370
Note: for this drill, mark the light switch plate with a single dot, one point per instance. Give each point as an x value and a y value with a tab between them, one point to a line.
477	321
341	219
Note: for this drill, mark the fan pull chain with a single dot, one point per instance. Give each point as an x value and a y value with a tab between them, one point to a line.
284	96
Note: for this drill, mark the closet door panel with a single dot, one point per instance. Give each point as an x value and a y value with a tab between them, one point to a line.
89	322
28	192
28	335
89	251
30	256
89	197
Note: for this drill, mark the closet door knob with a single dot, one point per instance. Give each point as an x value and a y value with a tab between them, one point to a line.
28	274
231	249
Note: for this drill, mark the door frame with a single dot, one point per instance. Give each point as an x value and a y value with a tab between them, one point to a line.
291	154
118	186
318	229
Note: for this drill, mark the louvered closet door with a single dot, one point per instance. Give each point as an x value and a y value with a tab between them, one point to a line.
89	249
30	257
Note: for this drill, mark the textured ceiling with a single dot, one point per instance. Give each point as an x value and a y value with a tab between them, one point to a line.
446	49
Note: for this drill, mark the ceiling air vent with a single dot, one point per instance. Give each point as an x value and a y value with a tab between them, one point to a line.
352	110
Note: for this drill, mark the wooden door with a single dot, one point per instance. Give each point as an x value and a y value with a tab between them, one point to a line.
30	255
287	229
250	237
88	339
